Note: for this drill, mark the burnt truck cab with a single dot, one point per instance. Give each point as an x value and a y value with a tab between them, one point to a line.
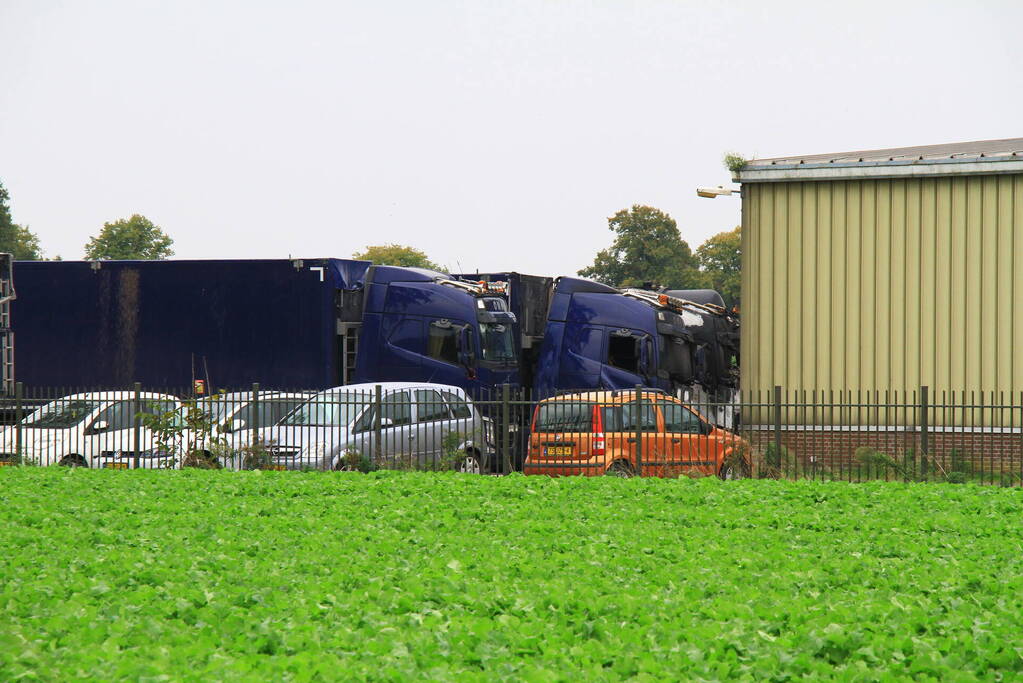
599	337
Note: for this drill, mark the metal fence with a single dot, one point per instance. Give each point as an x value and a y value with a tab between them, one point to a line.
912	436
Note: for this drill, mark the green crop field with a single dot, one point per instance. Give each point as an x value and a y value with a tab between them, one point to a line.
202	575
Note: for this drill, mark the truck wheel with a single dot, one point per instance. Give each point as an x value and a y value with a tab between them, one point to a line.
620	468
73	460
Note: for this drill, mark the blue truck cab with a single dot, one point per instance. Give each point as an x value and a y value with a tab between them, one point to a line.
598	338
427	326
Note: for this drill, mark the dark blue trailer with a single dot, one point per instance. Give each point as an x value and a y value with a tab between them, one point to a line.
303	323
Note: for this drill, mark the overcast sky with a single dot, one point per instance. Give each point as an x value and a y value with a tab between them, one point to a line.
492	135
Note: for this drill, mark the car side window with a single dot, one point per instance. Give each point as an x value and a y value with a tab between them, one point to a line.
459	408
430	406
678	419
623	418
396	407
281	408
118	416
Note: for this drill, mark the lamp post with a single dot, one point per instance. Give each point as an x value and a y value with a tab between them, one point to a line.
719	191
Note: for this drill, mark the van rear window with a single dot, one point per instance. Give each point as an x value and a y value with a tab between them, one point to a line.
565	416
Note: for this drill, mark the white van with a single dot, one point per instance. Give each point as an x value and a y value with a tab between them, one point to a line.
94	429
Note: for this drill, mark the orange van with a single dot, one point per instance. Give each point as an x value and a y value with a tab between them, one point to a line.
598	432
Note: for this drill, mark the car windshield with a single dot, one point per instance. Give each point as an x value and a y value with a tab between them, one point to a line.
328	410
498	343
61	414
217	408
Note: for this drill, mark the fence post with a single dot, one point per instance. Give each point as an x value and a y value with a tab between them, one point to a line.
19	394
777	427
638	398
506	462
377	427
254	412
137	427
924	427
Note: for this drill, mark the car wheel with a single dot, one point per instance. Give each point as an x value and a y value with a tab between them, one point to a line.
730	472
470	464
73	460
620	468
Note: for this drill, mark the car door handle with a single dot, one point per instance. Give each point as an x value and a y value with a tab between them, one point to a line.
632	439
676	440
411	436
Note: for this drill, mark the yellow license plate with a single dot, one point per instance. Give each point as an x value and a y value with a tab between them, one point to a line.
116	465
276	468
7	463
558	450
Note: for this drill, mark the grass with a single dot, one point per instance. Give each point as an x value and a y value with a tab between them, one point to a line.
212	575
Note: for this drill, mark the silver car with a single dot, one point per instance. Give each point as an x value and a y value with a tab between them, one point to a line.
419	426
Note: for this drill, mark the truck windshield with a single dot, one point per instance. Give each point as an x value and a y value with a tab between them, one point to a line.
61	414
498	344
328	410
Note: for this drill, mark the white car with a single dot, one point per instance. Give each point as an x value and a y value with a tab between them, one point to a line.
94	429
421	426
234	417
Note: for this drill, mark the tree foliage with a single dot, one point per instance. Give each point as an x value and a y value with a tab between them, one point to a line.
397	255
648	248
135	238
16	239
720	259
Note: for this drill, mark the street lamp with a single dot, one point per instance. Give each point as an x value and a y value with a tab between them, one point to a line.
711	192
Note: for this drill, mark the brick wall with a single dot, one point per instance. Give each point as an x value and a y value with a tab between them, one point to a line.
856	454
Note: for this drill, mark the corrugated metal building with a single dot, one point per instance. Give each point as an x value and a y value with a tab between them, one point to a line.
884	270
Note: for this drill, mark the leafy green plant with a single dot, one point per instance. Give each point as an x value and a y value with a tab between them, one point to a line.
190	432
213	575
354	460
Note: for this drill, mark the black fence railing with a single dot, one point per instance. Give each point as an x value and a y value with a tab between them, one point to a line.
910	436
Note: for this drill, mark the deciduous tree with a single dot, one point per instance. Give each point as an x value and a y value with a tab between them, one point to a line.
648	248
16	239
720	260
397	255
135	238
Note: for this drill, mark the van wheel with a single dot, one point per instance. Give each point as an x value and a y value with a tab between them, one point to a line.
620	468
73	460
470	464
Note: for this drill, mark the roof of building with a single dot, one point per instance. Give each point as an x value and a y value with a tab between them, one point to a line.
957	158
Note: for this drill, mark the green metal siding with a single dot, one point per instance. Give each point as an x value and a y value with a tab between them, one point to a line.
883	286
